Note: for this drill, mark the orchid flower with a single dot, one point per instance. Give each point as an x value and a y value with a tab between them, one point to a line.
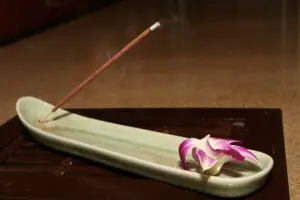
212	153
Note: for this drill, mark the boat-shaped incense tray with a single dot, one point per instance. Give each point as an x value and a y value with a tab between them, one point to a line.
148	153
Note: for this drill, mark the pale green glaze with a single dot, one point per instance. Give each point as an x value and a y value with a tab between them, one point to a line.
148	153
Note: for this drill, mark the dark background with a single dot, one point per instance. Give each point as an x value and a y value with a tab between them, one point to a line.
22	18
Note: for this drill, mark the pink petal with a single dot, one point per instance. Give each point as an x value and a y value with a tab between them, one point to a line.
206	162
213	140
184	147
245	152
236	155
222	146
195	156
248	155
206	147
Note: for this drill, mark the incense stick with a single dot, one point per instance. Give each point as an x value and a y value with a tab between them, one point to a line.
102	68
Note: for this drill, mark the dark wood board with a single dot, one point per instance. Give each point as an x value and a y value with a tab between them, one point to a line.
29	170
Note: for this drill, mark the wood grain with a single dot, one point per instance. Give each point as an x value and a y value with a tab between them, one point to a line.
30	170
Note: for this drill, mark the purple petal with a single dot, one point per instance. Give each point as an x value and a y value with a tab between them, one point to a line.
221	145
187	141
236	155
206	147
214	140
195	156
206	162
248	155
184	147
245	152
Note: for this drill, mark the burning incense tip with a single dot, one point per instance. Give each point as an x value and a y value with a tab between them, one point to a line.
44	119
155	26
